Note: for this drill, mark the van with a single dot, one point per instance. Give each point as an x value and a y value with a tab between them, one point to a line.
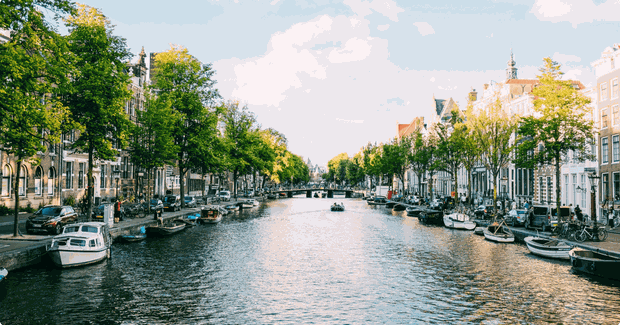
541	216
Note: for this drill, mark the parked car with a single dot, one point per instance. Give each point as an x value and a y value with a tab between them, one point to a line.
190	202
516	217
51	219
155	205
249	193
224	195
172	203
485	211
540	216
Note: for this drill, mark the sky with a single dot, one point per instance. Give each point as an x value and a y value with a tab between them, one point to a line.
333	76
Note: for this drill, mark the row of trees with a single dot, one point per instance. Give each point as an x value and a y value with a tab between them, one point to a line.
52	84
489	137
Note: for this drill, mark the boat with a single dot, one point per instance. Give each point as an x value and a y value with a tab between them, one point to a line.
337	207
165	230
379	200
232	207
430	216
271	196
599	264
187	221
414	211
245	204
80	244
3	273
210	214
458	220
550	248
130	238
399	207
499	232
391	204
254	202
479	231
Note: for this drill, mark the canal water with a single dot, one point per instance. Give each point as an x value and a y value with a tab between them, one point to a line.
292	261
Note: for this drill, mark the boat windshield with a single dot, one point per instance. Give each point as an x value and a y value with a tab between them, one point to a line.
77	242
90	229
72	229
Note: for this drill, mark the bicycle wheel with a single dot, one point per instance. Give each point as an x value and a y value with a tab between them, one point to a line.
581	236
602	234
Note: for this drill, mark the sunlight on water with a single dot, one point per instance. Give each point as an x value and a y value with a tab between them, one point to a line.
293	261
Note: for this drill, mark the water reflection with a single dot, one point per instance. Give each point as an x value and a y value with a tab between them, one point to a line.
294	261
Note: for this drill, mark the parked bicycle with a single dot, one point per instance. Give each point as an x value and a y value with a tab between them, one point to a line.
591	233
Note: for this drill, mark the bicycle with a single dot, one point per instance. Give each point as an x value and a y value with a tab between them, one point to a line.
595	233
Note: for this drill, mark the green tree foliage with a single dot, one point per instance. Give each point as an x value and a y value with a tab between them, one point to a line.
559	124
272	150
337	168
98	91
355	173
189	87
152	141
471	150
34	66
493	129
420	156
240	138
451	146
395	157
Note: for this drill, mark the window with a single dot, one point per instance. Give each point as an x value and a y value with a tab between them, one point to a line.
605	186
603	93
7	173
615	115
616	186
77	242
614	88
69	175
605	150
51	174
604	122
81	176
38	185
103	179
91	243
23	176
615	147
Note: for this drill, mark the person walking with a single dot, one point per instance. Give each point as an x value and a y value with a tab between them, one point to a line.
117	210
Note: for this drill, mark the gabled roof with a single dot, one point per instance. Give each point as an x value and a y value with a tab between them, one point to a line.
407	129
535	82
439	104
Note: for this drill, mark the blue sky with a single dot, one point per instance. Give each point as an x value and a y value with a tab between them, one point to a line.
335	75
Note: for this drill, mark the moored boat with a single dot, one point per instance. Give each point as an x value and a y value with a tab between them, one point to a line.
479	231
130	238
232	207
499	232
3	273
594	263
165	230
378	200
210	214
414	211
391	204
458	220
430	216
399	207
81	244
550	248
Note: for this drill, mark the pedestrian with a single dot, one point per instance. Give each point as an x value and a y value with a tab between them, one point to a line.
117	210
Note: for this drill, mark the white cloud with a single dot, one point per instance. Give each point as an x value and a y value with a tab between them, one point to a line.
424	28
576	11
563	58
354	49
388	8
383	28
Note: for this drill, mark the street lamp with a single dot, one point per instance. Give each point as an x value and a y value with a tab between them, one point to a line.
593	182
116	173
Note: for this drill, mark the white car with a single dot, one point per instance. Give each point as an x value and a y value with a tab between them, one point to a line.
224	195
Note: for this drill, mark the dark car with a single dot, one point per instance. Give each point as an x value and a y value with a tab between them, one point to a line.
172	203
51	219
156	205
516	217
190	202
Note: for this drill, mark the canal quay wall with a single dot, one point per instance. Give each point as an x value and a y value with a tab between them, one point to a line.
28	250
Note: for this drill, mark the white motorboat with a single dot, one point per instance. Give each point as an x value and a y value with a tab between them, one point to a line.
81	244
479	231
211	214
499	233
458	220
3	273
550	248
254	202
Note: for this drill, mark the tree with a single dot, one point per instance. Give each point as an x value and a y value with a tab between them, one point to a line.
277	145
419	156
558	126
188	86
152	142
240	139
33	69
98	93
471	150
493	129
395	158
337	168
451	146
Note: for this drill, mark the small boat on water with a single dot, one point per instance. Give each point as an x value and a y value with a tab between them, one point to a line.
594	263
430	216
458	220
479	231
550	248
499	232
414	211
130	238
232	207
3	273
391	204
379	200
165	230
271	196
337	207
399	207
210	214
81	244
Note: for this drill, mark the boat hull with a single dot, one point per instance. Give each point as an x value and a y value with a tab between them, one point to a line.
211	220
498	236
598	264
456	221
71	258
164	231
434	217
337	208
479	231
539	247
3	273
132	238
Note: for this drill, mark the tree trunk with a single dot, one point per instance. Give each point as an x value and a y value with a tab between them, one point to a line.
147	198
16	193
91	185
495	174
430	186
469	186
558	199
235	183
182	172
